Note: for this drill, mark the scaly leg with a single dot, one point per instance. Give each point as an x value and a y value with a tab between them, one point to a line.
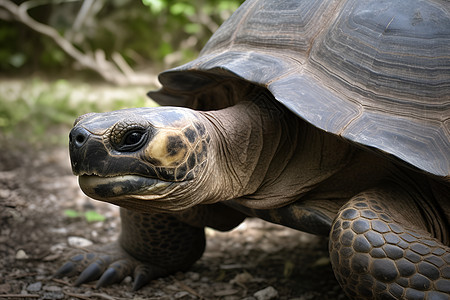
150	246
380	249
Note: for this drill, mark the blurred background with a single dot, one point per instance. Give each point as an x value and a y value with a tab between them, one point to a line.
63	58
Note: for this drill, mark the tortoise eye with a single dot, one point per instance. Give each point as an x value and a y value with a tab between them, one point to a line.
132	140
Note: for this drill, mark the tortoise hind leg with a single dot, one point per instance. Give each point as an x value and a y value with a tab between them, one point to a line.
376	253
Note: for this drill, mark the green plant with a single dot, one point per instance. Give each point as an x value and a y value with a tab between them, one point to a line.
167	33
90	215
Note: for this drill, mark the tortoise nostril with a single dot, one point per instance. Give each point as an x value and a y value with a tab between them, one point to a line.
78	137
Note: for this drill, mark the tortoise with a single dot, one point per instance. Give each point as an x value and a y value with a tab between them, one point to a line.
329	117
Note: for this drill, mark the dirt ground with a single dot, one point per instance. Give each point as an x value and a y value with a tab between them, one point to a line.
257	260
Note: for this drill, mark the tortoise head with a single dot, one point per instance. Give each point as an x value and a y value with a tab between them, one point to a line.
131	155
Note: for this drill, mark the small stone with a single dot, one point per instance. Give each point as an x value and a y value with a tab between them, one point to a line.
323	261
61	230
266	294
193	276
21	254
180	295
172	287
52	288
242	278
34	287
52	257
52	292
78	242
53	296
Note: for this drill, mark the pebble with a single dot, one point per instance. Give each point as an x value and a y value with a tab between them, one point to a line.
60	230
21	254
52	288
52	292
242	278
78	242
266	294
53	295
181	294
34	287
58	247
193	276
323	261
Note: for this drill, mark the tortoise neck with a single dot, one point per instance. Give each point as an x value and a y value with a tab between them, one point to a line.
266	157
245	139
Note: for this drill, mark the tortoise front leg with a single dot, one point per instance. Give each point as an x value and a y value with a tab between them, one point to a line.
378	253
151	245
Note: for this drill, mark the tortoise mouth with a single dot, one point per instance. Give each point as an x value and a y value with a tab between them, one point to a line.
112	187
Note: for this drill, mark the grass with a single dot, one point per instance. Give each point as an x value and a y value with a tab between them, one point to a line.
41	111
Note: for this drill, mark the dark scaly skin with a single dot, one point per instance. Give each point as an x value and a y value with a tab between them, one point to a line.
376	256
150	246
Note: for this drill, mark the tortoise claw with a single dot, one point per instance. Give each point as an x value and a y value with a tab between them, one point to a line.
143	274
110	276
67	269
92	272
109	268
116	272
70	267
140	280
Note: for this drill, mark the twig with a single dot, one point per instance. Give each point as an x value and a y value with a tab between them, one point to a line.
104	296
188	289
79	296
90	295
81	16
98	64
19	296
23	275
122	64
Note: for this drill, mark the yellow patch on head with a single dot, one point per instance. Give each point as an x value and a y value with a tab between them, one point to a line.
167	148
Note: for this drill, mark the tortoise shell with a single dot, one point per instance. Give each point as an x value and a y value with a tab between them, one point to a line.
374	72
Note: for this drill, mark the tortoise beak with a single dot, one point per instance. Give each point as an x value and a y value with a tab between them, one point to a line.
83	161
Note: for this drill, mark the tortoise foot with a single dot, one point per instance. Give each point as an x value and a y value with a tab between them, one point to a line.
109	264
377	255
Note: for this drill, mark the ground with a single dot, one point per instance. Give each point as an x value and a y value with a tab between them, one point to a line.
37	187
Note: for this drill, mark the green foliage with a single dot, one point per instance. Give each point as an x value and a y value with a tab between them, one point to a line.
90	215
93	216
178	22
70	213
143	32
30	109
